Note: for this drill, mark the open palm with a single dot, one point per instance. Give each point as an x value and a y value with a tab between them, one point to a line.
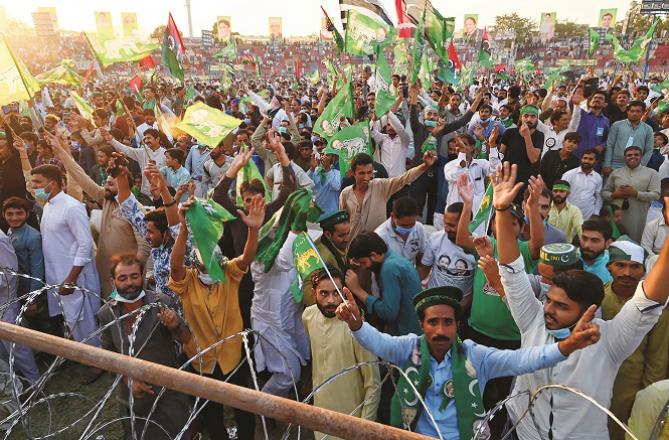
504	186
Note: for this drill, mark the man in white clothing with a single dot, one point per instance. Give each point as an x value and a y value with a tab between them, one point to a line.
402	233
68	248
275	174
557	414
476	169
391	146
151	151
586	186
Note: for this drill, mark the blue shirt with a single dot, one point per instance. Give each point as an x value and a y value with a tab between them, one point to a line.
196	160
399	283
488	362
598	267
623	135
326	189
593	130
27	242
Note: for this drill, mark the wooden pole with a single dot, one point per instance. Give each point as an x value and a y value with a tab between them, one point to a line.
289	411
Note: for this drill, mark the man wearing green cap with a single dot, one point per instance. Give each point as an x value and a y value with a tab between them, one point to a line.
522	146
563	215
572	295
648	363
448	374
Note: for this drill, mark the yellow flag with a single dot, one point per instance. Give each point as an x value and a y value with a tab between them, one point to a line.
16	82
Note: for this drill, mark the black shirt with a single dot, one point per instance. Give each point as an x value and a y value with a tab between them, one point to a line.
517	154
614	113
553	167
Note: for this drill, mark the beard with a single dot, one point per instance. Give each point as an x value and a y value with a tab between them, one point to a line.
559	200
376	267
109	195
452	236
130	292
591	255
586	166
327	311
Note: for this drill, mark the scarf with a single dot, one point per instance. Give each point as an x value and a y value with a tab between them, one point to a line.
405	408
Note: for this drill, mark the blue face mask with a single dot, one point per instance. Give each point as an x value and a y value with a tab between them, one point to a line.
42	195
314	139
430	124
247	121
561	333
283	130
402	230
544	288
485	121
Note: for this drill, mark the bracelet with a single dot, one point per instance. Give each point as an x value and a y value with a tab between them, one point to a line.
503	209
172	203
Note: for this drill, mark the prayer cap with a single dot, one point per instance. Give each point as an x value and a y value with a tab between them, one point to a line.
559	254
327	221
623	250
447	295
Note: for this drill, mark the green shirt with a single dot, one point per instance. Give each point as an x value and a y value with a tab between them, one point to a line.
490	315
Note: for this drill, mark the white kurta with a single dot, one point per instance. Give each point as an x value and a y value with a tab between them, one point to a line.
67	242
284	344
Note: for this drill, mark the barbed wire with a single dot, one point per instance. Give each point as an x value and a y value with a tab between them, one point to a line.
27	401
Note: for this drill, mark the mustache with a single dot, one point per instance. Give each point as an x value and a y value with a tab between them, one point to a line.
626	278
440	338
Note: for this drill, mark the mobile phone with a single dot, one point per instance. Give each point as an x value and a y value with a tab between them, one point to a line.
118	162
405	91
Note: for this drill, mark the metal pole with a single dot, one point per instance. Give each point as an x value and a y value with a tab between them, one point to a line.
645	66
190	20
311	417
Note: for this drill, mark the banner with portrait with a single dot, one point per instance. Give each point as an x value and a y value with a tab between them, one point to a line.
103	24
470	26
129	22
223	31
547	24
275	28
607	18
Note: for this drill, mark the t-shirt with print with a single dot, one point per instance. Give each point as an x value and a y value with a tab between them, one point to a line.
489	314
451	265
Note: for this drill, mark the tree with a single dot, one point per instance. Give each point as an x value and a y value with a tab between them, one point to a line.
569	29
638	24
158	32
524	27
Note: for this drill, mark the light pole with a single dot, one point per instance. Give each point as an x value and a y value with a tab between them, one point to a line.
190	20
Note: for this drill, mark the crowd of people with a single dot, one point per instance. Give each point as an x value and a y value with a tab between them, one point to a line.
499	237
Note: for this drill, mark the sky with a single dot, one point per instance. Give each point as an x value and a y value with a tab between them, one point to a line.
300	17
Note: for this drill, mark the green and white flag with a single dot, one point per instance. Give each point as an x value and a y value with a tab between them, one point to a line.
485	210
594	38
400	53
249	172
638	48
342	105
64	75
206	219
209	126
363	34
85	109
349	142
115	50
16	82
524	66
306	259
384	99
438	31
315	77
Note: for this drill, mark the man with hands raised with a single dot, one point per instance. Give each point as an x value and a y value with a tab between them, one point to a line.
450	374
573	295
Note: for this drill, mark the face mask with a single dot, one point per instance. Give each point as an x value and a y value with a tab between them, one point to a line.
206	279
283	130
42	195
300	126
430	124
485	121
314	139
118	297
561	333
403	231
247	121
544	288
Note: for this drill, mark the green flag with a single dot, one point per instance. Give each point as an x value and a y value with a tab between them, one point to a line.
249	172
306	260
485	210
207	124
636	50
339	41
524	66
342	105
349	142
554	74
115	50
467	75
594	41
485	55
16	82
315	77
661	87
663	105
438	30
401	56
205	221
293	216
384	99
85	109
118	107
363	34
417	51
65	75
228	51
190	94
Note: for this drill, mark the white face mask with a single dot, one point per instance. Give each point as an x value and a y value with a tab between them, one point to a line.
206	279
118	297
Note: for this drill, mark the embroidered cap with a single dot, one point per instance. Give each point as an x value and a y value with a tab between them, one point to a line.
448	295
559	254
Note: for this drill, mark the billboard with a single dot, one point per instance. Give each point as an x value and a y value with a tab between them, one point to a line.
607	18
223	29
547	23
275	28
103	24
129	22
471	26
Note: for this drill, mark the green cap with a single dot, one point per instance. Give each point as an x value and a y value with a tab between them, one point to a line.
3	134
562	186
448	295
623	250
330	150
328	220
530	110
559	254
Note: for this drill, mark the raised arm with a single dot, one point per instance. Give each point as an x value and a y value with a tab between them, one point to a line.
169	203
656	282
505	190
178	254
533	154
536	222
253	220
463	237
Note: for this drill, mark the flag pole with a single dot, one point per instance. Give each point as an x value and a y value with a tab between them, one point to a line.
325	266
